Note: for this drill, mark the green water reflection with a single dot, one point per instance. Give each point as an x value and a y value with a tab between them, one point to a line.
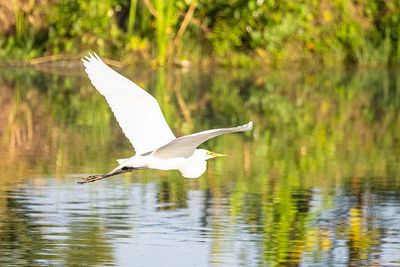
315	182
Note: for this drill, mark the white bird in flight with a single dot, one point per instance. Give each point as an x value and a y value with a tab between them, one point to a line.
140	118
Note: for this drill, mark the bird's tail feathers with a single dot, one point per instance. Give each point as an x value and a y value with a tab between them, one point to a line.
121	161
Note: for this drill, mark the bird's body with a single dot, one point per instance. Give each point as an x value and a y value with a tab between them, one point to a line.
142	122
191	167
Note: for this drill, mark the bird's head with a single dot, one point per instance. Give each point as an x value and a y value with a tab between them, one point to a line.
205	154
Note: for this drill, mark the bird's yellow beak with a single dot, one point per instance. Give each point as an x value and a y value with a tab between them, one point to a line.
215	155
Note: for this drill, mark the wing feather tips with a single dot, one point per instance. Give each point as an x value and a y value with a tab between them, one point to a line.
95	68
92	61
247	127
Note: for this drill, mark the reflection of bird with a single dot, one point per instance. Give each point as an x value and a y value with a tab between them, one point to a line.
143	123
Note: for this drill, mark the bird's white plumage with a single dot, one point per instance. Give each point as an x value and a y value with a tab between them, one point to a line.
137	112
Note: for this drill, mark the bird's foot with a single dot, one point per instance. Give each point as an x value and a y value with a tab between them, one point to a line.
92	178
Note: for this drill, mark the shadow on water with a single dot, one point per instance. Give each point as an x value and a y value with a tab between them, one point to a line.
315	182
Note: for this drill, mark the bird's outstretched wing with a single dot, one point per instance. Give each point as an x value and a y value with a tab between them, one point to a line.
185	146
137	112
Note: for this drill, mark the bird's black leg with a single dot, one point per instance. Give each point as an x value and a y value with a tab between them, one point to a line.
97	177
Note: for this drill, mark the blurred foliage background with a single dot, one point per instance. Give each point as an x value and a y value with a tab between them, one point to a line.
227	32
316	179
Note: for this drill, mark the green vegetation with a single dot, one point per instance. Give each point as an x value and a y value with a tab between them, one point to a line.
229	32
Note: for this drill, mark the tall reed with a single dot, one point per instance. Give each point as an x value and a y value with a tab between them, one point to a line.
165	20
132	16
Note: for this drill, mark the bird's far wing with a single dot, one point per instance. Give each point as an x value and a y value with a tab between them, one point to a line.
185	146
136	111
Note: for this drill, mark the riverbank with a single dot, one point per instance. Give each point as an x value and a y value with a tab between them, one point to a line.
239	34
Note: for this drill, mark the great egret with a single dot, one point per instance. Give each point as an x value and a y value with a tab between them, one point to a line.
143	123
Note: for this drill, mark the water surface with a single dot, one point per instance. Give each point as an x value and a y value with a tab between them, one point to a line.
316	182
